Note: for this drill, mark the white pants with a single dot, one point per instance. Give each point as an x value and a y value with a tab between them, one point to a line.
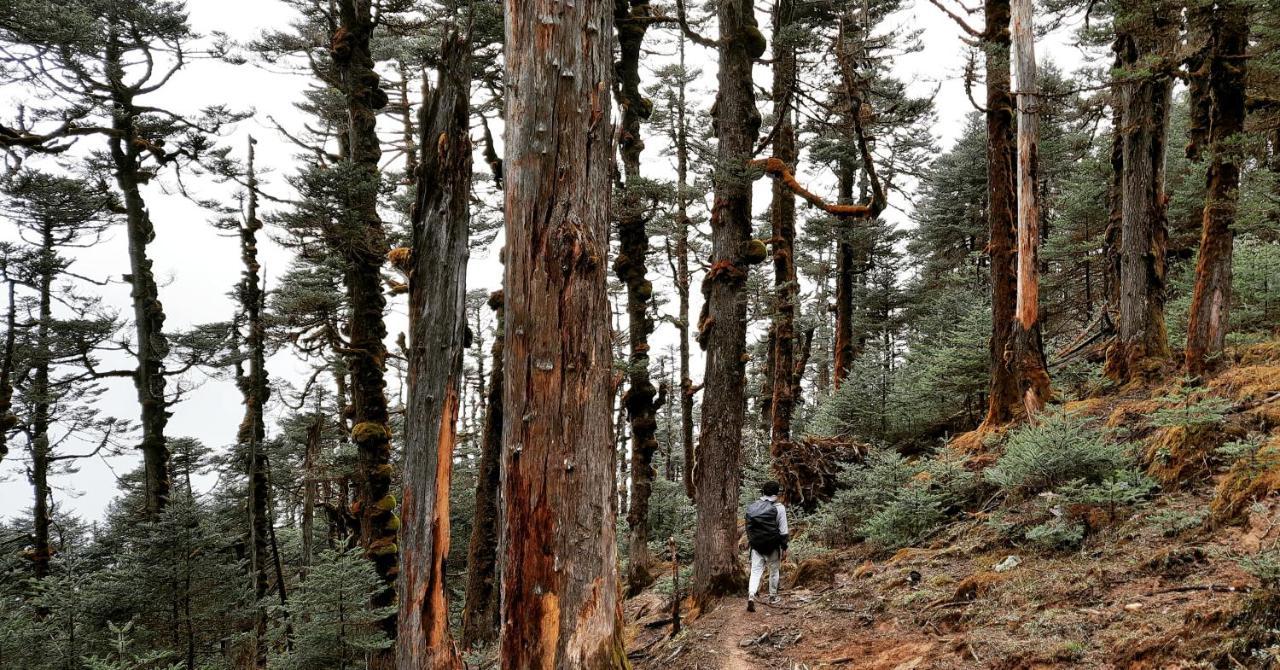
758	561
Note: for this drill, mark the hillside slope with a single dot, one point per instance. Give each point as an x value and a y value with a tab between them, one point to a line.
1183	579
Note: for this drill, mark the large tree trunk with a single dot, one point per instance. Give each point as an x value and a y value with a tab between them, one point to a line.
254	390
363	245
716	569
1003	396
1145	39
782	219
632	19
152	345
480	614
1218	108
560	604
437	334
1032	372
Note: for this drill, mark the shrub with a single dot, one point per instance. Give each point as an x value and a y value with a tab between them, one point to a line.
1184	410
1172	522
1122	488
1056	534
910	516
1059	449
894	502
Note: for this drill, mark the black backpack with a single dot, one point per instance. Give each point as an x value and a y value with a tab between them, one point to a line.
762	527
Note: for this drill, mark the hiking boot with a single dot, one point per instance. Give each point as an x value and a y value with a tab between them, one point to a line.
751	605
774	599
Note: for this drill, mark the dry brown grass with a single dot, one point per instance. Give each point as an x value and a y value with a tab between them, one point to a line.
1248	480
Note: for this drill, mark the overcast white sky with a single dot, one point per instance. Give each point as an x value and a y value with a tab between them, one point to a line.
197	266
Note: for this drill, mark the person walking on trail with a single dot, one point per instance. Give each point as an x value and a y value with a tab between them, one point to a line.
767	535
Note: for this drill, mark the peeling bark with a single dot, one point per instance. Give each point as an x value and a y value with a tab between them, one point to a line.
437	341
560	601
1029	364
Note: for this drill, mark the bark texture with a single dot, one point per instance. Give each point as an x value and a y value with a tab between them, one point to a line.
1145	38
152	345
41	550
1218	67
684	282
560	601
1004	395
363	246
1028	348
722	332
480	615
252	383
632	19
437	340
782	220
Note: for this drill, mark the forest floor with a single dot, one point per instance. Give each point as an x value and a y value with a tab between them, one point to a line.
1159	586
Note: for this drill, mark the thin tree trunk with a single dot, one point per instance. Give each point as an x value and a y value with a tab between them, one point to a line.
1218	111
480	614
254	390
7	418
1145	37
1032	371
632	20
42	551
684	282
438	323
151	343
782	220
310	486
717	570
560	604
363	246
844	350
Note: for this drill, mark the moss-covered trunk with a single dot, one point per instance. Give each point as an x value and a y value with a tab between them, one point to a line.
253	388
437	341
782	220
1220	35
632	19
41	395
560	600
151	344
363	246
1146	36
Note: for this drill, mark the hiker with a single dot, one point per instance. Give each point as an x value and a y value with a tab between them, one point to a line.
767	535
